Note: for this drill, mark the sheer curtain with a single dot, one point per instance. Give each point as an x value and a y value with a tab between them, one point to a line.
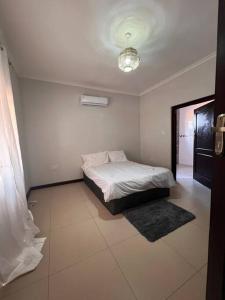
19	250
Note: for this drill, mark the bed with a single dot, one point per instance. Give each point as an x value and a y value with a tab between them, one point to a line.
120	184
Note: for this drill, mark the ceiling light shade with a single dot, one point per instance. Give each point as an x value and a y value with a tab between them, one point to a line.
128	60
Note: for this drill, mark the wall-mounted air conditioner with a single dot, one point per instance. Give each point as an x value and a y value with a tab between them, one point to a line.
93	100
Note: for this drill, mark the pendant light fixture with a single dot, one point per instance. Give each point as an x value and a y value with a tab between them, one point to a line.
128	59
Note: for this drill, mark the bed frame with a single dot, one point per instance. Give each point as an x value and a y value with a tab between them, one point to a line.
116	206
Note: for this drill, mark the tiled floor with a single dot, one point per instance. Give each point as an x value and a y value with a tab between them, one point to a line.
184	171
92	255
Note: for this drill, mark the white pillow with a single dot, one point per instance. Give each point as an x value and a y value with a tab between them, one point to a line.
117	156
95	159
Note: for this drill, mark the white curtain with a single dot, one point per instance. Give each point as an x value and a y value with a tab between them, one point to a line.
19	250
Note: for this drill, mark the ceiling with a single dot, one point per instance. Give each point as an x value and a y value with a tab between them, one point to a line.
78	41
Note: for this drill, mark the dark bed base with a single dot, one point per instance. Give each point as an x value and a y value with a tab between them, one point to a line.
118	205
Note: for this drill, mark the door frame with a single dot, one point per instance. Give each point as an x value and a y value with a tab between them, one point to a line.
216	257
208	152
174	128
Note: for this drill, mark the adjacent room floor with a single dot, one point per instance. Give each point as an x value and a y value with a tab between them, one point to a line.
184	171
92	255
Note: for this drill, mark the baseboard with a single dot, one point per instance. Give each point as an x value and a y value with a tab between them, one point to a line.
52	184
28	193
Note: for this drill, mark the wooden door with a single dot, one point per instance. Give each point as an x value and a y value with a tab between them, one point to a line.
203	144
216	261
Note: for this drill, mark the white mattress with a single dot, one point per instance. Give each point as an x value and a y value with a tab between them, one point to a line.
119	179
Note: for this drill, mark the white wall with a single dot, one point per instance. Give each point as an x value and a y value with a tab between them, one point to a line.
155	110
58	129
20	124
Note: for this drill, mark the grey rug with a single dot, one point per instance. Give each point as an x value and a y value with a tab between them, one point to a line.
157	218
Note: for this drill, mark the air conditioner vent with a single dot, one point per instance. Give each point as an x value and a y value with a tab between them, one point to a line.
94	101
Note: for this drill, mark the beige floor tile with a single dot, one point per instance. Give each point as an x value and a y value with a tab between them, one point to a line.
193	289
39	205
182	202
73	243
43	196
179	191
36	291
193	204
95	207
195	190
153	270
41	217
69	194
97	278
191	243
115	228
201	211
203	221
196	193
204	271
26	280
68	213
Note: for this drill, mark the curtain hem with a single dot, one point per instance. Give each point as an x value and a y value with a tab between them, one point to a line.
29	260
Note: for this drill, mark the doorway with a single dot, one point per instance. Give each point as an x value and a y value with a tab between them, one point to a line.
191	129
185	140
203	144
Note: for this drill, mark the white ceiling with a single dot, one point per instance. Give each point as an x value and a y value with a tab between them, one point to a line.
78	41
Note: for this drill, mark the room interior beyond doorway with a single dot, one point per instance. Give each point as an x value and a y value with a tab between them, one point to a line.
185	139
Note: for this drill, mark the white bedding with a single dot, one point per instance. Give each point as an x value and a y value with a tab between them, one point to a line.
119	179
